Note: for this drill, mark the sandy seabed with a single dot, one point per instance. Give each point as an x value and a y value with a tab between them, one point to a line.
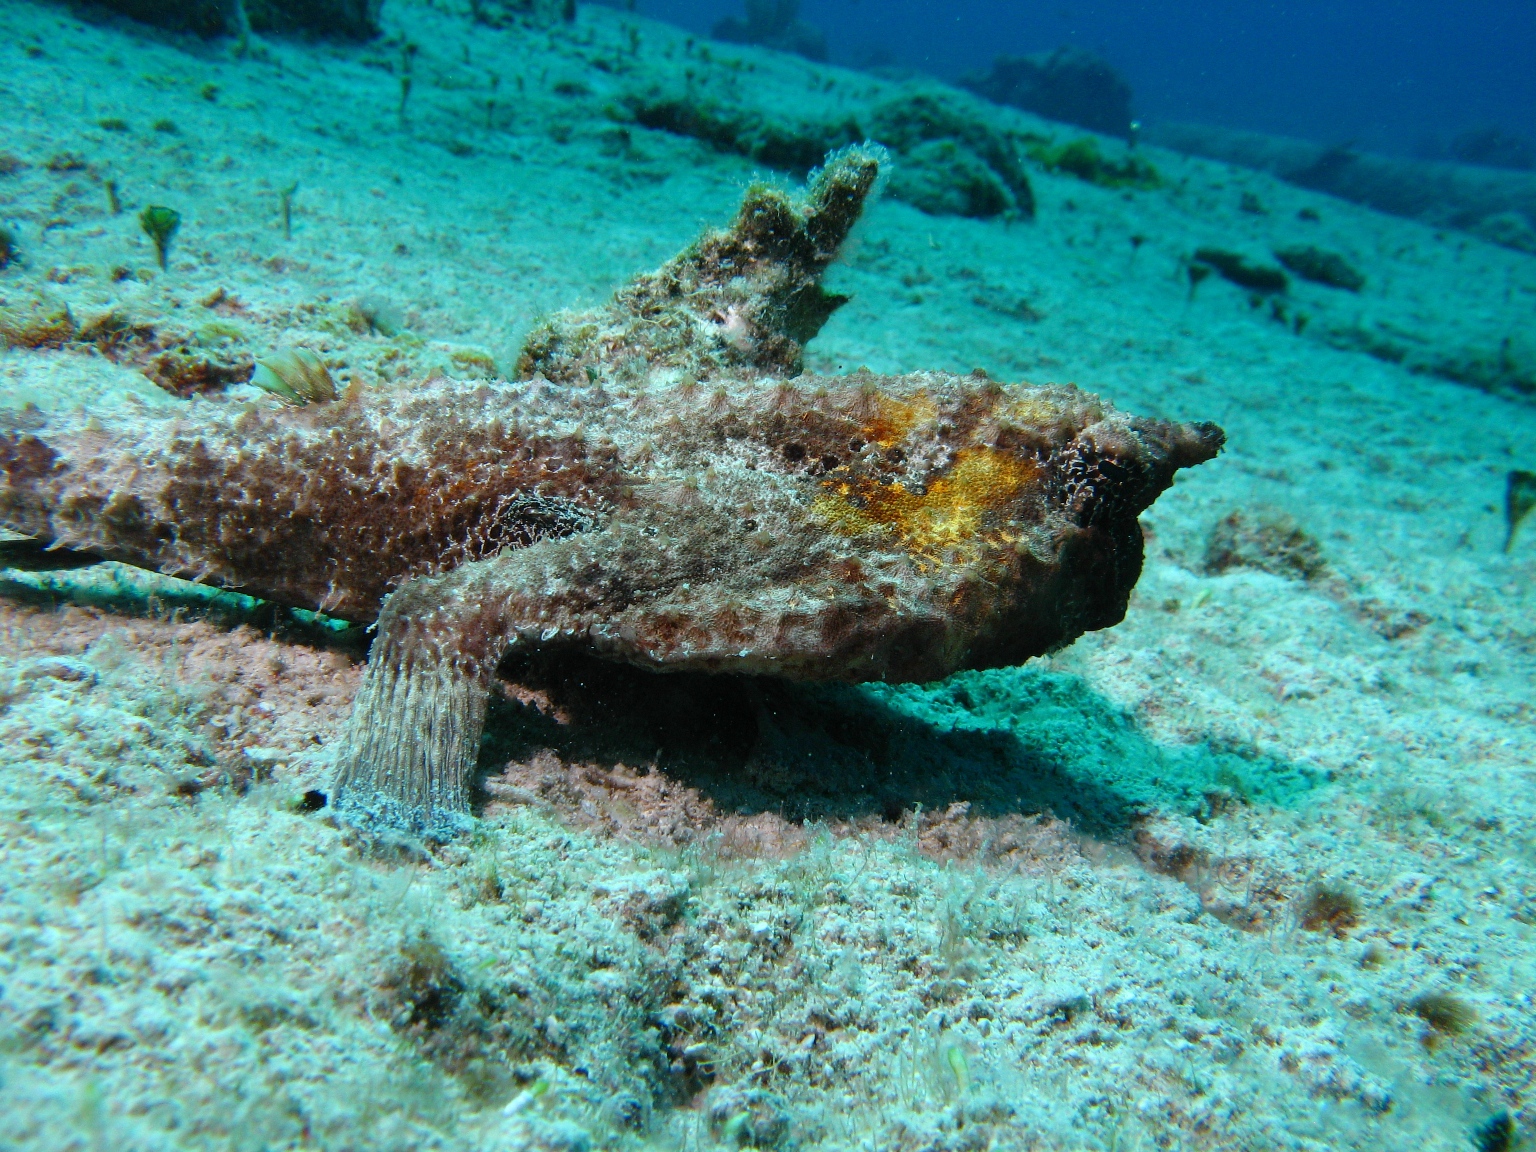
1252	870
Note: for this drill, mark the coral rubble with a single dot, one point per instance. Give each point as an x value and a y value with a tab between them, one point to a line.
1266	540
1321	266
661	487
1245	273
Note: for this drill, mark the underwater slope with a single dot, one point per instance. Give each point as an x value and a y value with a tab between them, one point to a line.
1284	900
1498	205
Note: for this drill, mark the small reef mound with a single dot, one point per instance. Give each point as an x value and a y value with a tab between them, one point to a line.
1070	84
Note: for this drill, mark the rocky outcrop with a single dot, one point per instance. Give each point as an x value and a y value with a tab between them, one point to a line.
1070	84
1499	206
348	19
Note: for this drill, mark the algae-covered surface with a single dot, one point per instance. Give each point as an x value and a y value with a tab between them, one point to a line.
1252	869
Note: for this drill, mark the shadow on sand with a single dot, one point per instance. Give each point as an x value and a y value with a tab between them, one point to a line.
1008	741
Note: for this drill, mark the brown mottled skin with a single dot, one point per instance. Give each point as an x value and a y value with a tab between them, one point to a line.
662	487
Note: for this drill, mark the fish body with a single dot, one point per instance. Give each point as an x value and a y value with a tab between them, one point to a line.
861	527
663	487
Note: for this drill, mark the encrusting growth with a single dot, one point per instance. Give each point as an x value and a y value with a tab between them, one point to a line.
660	487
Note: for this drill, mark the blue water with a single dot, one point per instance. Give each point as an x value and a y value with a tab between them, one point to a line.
1401	78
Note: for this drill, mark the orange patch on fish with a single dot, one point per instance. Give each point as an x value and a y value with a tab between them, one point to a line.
963	509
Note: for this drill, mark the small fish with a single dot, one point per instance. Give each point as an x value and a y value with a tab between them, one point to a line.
663	485
1519	499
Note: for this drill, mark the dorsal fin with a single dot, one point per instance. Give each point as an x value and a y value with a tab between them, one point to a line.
746	297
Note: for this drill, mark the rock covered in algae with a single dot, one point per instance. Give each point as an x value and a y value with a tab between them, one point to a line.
660	488
353	19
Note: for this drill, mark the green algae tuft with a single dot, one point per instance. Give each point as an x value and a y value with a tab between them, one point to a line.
1083	159
160	224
